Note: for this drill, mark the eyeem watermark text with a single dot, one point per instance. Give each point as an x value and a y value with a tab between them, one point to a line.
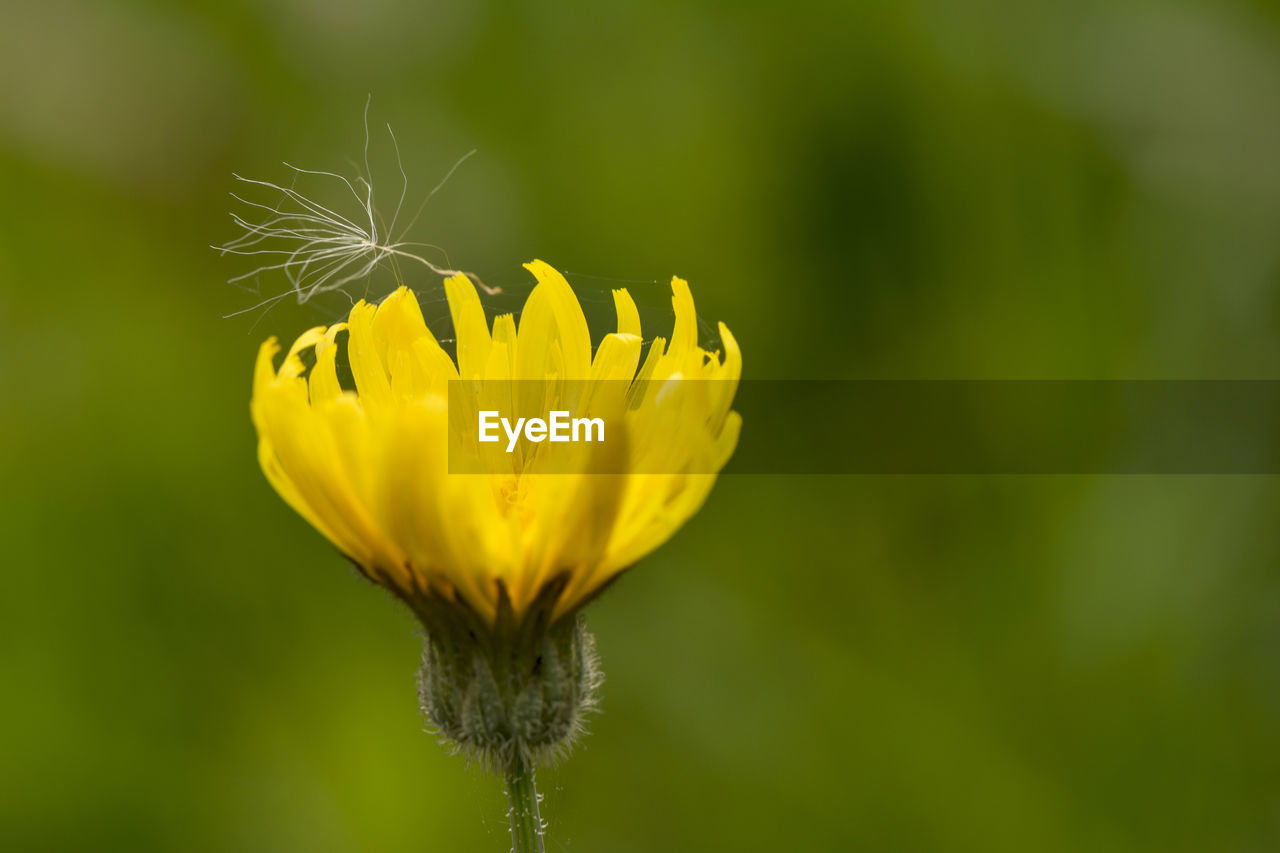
559	426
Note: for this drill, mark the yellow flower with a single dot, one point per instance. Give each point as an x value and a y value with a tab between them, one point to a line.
370	468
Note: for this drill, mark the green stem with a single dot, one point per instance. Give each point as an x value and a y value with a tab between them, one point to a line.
526	825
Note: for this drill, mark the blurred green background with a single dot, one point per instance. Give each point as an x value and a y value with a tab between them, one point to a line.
985	189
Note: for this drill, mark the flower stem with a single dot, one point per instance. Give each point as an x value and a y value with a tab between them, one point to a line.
526	825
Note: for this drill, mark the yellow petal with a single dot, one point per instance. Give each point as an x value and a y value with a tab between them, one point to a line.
366	364
684	337
293	365
628	316
264	367
504	333
323	381
571	325
470	329
616	358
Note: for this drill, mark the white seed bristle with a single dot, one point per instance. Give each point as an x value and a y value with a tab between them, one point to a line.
320	250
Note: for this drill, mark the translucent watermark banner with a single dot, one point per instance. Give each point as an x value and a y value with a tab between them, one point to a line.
866	427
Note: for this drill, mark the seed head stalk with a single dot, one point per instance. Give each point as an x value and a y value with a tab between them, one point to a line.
522	795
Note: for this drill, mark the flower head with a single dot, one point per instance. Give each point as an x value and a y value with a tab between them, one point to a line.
540	530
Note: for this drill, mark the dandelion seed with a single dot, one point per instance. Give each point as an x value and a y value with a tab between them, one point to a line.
317	248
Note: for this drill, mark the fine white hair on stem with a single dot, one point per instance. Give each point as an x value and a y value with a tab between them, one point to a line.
319	249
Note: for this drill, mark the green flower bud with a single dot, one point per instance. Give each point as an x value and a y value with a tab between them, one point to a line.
517	691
